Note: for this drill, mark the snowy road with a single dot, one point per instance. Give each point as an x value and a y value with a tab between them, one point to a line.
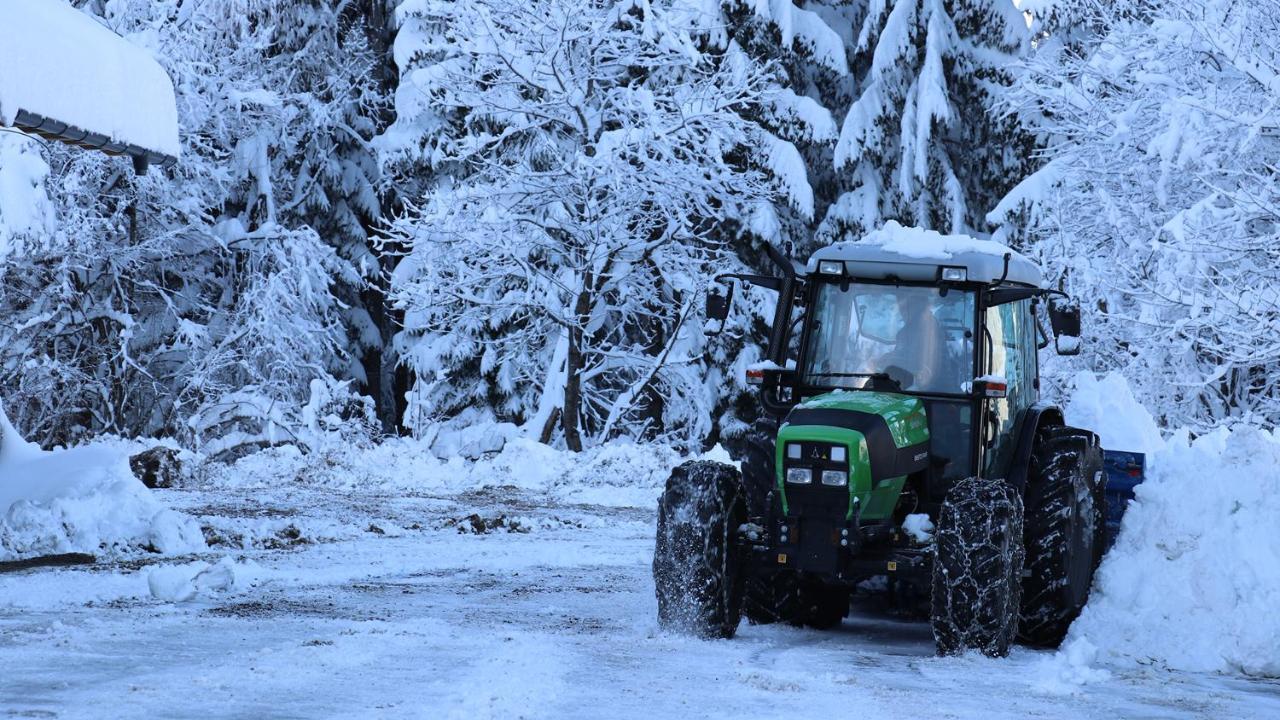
362	614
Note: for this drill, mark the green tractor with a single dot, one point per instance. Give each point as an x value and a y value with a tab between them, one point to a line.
902	437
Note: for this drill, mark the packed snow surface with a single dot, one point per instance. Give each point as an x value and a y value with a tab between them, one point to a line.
387	583
1193	581
58	62
83	499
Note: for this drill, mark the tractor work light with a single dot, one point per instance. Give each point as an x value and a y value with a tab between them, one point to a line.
835	478
953	274
800	476
830	267
793	451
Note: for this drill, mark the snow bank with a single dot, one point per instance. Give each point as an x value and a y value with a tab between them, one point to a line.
84	499
1194	578
617	474
1106	406
57	62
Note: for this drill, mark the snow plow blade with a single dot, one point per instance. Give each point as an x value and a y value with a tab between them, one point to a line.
1125	470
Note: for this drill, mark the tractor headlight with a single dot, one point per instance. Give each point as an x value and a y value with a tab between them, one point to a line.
837	454
799	476
835	478
793	451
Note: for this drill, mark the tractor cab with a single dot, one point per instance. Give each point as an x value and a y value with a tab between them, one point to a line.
952	327
954	324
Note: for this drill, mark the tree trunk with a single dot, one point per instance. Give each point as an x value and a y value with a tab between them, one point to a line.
571	414
573	392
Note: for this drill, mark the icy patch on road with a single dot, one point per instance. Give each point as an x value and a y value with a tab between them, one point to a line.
1194	578
84	499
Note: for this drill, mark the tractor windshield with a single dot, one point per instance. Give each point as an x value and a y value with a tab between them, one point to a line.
922	340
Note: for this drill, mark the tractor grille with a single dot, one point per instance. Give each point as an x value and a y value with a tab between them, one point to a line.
815	499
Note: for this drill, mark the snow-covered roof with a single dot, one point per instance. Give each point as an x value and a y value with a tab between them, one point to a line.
64	76
909	253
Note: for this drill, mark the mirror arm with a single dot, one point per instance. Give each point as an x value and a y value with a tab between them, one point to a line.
781	260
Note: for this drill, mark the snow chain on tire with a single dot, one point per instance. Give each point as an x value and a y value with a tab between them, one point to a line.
1064	531
697	564
977	574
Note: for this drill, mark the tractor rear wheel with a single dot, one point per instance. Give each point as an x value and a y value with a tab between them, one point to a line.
697	565
823	606
773	598
759	464
977	572
1064	531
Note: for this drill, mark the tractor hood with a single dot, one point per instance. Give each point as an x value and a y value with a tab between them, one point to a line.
894	427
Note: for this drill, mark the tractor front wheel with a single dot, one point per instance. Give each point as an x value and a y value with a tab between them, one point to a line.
977	572
697	564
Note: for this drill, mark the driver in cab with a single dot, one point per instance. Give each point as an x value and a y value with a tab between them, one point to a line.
920	345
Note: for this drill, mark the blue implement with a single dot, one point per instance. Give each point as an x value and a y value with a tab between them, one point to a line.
1125	470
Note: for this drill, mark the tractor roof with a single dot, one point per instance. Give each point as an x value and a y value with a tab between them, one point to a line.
906	253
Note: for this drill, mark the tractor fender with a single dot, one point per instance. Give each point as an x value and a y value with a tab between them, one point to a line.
1033	418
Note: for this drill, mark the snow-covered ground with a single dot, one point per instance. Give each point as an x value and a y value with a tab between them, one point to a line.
388	583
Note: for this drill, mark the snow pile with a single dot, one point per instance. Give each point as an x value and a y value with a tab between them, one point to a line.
1106	406
617	474
84	499
1194	578
58	62
924	244
1065	672
187	581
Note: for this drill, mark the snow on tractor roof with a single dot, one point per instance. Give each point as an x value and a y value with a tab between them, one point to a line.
909	253
65	77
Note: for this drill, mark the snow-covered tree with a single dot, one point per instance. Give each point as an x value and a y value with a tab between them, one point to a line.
148	301
587	157
1159	203
924	142
812	83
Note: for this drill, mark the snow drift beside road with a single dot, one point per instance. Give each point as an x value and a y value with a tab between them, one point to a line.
85	499
1193	580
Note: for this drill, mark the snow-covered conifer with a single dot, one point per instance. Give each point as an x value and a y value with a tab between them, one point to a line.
923	143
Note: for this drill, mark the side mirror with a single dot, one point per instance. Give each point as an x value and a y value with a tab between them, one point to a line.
1064	317
718	308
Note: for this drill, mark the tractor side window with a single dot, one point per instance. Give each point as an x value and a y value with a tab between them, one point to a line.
1012	355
